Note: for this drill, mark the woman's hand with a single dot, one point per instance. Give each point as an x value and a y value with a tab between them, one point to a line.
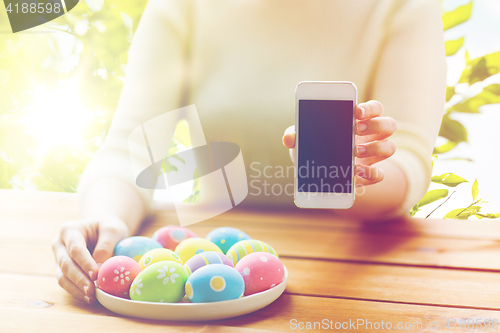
77	268
372	143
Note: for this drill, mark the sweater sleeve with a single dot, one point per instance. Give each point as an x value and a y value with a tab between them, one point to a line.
154	85
410	81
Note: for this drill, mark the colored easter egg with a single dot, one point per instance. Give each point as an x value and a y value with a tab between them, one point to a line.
226	237
135	247
242	248
214	283
171	235
190	247
117	274
206	258
157	255
162	282
260	271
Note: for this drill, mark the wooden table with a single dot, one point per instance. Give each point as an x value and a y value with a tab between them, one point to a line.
407	271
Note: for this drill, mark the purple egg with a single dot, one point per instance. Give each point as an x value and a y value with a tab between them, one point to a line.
206	258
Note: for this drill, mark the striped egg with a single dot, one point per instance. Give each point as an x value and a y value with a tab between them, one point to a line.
206	258
192	246
244	247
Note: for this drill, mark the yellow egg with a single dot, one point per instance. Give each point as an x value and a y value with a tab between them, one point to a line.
158	255
190	247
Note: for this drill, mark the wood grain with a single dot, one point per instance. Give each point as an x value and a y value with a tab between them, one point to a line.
64	313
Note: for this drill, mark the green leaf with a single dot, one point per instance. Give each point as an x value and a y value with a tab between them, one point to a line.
480	68
432	196
475	190
452	46
489	95
195	196
445	148
448	179
488	216
456	17
462	213
452	130
450	92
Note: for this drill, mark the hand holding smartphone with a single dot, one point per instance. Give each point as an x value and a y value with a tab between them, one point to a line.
324	150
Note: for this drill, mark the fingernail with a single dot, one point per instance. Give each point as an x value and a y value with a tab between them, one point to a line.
360	150
85	288
87	299
90	274
363	112
99	264
361	127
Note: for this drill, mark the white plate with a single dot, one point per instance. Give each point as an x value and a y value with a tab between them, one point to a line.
192	311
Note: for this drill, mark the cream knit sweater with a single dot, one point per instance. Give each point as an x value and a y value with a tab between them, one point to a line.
239	61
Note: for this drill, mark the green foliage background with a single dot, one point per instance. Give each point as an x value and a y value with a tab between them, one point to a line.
101	37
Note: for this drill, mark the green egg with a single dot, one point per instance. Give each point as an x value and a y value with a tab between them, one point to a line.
162	282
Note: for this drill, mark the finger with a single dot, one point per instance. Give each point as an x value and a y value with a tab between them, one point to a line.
375	151
289	137
370	109
109	236
77	250
73	273
369	173
71	288
380	128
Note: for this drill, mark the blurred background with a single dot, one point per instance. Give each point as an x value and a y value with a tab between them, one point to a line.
60	84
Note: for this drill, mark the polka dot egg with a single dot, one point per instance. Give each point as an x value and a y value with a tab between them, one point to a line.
226	237
117	274
192	246
242	248
162	282
170	236
214	283
206	258
135	247
260	271
157	255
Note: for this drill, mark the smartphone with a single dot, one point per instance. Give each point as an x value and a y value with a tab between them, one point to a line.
324	146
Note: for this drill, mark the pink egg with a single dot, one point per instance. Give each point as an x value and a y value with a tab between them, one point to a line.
260	271
171	235
117	274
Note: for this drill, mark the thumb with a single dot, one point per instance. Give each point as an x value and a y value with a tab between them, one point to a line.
108	238
289	137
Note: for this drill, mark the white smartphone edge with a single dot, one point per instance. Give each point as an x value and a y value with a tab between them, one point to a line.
324	90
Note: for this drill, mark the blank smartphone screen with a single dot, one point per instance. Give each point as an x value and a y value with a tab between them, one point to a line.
325	146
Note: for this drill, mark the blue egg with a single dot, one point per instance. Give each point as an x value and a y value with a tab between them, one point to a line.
214	283
226	237
134	247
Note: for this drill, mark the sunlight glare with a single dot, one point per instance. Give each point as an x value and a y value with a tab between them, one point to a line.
57	118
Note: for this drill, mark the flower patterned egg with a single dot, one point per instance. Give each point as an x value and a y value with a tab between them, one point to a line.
190	247
260	271
160	282
242	248
214	283
226	237
135	247
206	258
171	235
157	255
117	274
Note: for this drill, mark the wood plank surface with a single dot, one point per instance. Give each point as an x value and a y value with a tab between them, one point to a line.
41	300
409	270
